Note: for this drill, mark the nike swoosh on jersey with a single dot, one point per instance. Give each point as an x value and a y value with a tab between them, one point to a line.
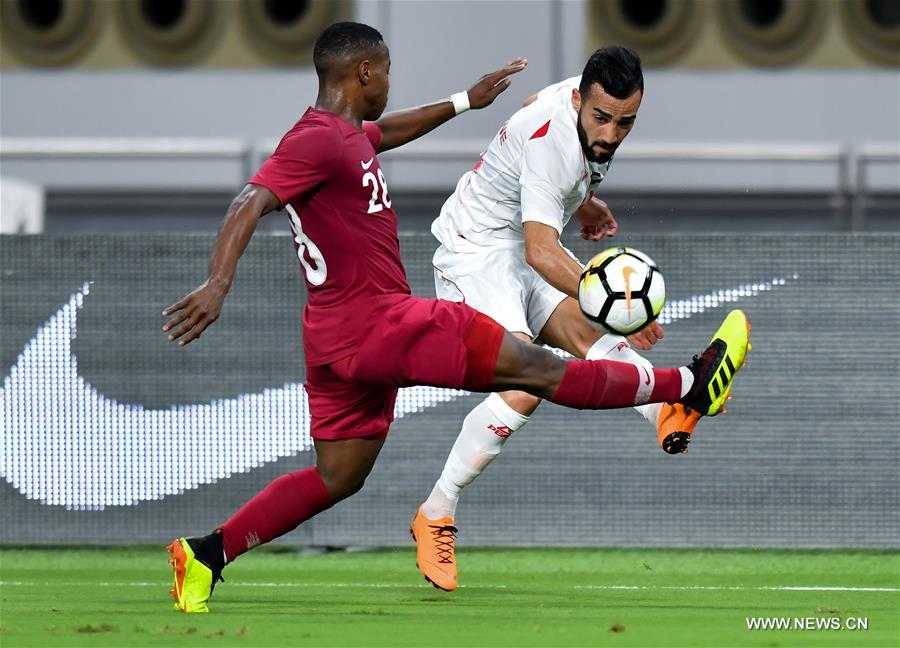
366	165
86	451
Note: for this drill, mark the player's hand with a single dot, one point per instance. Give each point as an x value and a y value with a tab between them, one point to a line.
196	311
596	220
647	337
491	85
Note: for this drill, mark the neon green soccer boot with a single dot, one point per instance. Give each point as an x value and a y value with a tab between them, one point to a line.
714	369
194	581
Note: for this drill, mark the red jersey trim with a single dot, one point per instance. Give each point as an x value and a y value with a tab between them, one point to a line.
540	132
373	133
483	341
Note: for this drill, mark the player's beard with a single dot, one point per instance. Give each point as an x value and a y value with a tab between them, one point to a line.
586	147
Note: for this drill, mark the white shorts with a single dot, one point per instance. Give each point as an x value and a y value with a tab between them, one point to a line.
499	283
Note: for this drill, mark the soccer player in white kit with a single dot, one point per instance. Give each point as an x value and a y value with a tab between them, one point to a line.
500	253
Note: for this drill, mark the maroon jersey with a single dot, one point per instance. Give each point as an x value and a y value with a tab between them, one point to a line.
326	175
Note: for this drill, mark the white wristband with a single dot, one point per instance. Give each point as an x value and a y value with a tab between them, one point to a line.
460	102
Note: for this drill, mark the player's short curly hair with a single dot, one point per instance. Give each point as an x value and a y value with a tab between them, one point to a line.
342	42
616	69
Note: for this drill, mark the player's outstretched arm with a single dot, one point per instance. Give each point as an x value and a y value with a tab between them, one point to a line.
200	308
402	126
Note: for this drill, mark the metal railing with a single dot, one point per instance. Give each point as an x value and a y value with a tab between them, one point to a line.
862	158
852	163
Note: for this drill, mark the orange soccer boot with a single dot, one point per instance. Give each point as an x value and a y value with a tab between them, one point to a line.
675	426
435	557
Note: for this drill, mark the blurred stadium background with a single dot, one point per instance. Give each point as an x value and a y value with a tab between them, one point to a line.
764	170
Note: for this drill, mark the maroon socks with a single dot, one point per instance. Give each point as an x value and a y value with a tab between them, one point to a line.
607	384
277	509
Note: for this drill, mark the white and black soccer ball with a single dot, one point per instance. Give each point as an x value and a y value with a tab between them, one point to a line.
621	291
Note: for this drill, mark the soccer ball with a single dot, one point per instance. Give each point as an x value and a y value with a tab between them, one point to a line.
621	290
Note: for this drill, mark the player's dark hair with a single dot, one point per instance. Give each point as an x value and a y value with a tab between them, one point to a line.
616	69
343	41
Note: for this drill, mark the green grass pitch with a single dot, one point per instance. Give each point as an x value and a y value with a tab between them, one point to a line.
511	597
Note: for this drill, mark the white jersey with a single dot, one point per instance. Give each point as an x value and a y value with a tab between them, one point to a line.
533	170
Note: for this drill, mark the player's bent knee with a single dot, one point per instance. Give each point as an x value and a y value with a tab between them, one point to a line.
342	486
585	338
342	481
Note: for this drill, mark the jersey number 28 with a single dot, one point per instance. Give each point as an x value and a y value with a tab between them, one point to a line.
370	179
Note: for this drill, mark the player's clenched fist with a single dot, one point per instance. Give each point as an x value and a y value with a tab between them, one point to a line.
491	85
197	310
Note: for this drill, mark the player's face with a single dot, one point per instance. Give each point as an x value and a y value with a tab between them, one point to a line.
603	121
379	83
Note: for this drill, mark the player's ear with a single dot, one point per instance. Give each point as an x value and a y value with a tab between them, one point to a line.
364	71
576	99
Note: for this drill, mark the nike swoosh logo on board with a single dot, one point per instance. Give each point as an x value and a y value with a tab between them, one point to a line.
682	309
366	165
87	451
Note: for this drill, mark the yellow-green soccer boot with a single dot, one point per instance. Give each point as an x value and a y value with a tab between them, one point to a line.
714	369
193	581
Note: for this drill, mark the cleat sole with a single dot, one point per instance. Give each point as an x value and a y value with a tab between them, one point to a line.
675	431
676	442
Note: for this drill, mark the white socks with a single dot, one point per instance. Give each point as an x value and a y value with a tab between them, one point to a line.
484	431
687	380
616	347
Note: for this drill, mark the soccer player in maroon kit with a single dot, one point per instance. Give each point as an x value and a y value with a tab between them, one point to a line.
365	336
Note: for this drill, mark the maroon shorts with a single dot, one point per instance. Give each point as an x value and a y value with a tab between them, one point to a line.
414	341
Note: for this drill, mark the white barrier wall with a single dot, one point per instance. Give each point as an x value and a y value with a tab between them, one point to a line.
438	48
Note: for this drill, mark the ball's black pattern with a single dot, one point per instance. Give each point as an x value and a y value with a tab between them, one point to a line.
612	295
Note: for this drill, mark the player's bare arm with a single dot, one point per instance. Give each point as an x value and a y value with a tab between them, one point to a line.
201	307
403	126
544	253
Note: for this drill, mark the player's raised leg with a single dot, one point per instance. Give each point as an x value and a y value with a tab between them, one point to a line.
703	385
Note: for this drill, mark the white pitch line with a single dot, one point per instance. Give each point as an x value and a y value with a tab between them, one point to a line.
242	584
736	588
739	588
